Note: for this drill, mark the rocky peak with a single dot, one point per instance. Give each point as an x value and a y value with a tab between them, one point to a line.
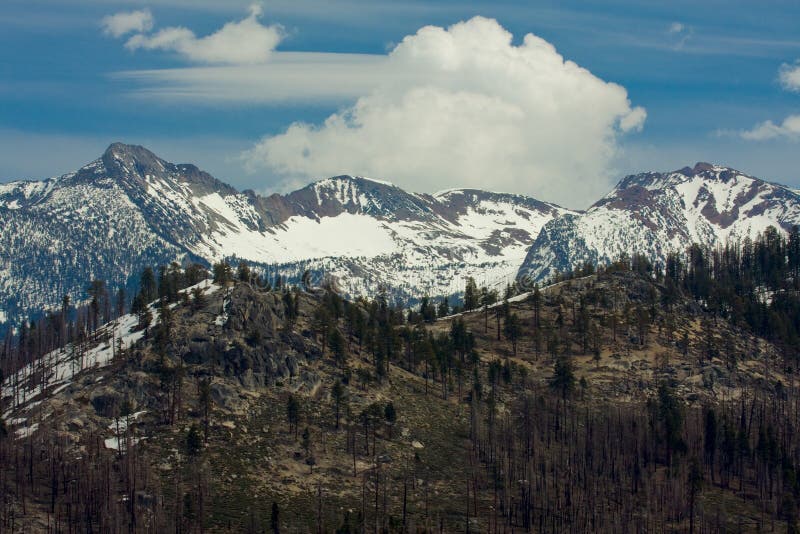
357	195
121	159
658	213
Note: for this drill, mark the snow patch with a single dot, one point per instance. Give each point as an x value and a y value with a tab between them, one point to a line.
114	443
26	431
62	365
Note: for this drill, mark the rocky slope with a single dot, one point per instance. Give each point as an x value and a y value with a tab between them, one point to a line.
109	411
130	209
655	214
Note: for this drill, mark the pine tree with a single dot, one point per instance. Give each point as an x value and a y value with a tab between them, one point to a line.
710	439
563	379
194	442
147	286
121	298
444	307
243	272
337	345
99	305
290	307
274	519
306	440
293	413
390	415
513	328
471	295
338	394
695	484
537	306
223	273
204	398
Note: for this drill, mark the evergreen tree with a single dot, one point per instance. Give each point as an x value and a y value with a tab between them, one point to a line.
121	297
338	347
536	301
274	519
99	306
147	286
427	310
198	298
306	441
243	272
338	394
444	307
695	484
513	329
223	273
563	379
390	415
670	415
194	442
293	413
471	295
290	307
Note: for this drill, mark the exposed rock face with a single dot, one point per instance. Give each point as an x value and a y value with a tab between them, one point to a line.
253	345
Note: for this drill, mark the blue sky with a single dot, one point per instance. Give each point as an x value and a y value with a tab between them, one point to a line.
708	75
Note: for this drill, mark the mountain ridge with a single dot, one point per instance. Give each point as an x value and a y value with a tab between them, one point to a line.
662	213
129	208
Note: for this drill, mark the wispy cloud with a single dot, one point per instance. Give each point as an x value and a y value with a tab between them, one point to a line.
680	33
676	27
297	77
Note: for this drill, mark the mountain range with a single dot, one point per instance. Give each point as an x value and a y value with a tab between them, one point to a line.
129	209
657	213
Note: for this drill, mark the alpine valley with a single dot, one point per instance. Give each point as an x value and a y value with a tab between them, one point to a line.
130	209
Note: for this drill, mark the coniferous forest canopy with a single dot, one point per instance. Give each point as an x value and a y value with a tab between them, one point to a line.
627	397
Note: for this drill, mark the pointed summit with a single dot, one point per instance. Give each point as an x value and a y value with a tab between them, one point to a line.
131	159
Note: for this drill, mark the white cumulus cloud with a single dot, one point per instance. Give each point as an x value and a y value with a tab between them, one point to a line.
242	42
789	76
127	22
465	107
788	129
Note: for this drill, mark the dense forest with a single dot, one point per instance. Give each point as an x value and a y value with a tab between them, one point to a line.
515	397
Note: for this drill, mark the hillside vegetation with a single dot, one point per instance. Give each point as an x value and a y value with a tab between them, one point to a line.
608	402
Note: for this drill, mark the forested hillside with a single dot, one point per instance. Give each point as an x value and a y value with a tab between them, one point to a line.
620	399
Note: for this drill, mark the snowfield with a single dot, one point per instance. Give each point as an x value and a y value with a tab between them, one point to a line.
656	214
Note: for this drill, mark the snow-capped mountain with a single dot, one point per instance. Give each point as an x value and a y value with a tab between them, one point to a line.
655	214
130	209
